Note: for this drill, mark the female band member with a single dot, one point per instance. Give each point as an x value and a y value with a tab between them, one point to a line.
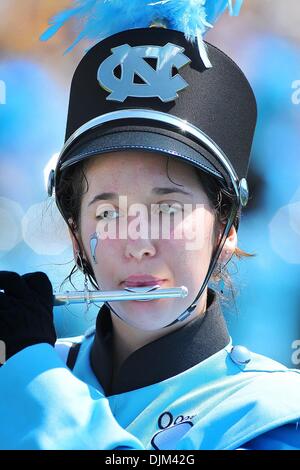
151	182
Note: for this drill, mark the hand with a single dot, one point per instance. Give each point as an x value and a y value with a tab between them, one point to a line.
26	311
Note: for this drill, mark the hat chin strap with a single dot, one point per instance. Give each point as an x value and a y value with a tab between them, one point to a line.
184	315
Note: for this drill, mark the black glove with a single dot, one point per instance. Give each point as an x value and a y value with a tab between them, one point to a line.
26	311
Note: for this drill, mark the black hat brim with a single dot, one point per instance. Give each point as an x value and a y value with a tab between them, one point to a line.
140	138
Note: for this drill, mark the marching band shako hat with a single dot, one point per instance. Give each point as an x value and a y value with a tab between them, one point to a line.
148	89
159	89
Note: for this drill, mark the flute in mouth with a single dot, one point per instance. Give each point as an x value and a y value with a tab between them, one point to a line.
142	294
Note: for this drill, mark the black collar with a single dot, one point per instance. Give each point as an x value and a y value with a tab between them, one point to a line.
163	358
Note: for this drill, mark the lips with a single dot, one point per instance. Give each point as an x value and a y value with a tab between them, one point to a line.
141	280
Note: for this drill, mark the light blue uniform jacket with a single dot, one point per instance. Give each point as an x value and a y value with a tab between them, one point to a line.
213	405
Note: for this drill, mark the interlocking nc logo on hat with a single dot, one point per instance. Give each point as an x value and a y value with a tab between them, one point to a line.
157	83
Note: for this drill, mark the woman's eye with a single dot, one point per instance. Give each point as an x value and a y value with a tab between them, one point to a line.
164	208
107	214
169	208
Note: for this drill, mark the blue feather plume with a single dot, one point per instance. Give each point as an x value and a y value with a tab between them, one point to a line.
102	18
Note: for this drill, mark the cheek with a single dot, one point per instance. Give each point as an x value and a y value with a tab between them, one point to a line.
108	256
93	244
190	244
109	250
195	229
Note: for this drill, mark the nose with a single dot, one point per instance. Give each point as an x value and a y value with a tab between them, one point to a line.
139	248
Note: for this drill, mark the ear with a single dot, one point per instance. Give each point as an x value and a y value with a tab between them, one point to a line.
75	245
229	245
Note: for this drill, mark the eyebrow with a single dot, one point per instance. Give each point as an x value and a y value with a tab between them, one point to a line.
157	191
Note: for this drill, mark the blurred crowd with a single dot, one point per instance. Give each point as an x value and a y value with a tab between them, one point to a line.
34	85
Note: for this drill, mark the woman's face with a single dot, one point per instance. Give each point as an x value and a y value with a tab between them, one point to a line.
164	248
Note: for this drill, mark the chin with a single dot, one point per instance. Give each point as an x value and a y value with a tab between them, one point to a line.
148	317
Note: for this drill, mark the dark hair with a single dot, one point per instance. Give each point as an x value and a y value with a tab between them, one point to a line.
73	185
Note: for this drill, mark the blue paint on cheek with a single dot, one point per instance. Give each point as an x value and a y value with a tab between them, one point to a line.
93	245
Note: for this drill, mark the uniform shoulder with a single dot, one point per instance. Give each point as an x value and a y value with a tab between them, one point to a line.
76	339
262	362
63	345
249	361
